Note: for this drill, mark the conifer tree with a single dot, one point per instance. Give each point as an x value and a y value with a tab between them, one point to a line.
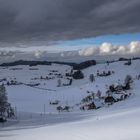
5	107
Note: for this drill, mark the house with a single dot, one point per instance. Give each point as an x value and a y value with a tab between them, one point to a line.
119	96
91	106
96	104
110	100
2	119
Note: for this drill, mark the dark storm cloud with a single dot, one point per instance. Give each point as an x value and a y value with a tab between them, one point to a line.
66	19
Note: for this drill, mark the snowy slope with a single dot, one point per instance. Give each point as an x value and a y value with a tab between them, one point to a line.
119	126
120	121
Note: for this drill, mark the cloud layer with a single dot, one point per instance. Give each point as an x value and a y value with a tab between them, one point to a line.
102	51
109	49
66	19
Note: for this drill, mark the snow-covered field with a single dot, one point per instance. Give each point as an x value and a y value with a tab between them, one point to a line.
37	119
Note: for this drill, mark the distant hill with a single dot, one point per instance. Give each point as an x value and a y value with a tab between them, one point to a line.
84	65
124	59
76	66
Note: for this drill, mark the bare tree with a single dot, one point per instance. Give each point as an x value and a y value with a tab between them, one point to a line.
91	78
59	83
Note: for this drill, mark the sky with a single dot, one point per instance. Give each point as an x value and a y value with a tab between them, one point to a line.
39	28
121	39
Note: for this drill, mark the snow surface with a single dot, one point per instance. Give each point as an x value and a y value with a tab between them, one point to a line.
38	120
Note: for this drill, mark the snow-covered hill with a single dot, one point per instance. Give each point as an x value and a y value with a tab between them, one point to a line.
38	119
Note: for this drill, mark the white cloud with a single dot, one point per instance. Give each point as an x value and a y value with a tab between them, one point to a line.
134	47
106	48
89	51
39	54
6	54
109	49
